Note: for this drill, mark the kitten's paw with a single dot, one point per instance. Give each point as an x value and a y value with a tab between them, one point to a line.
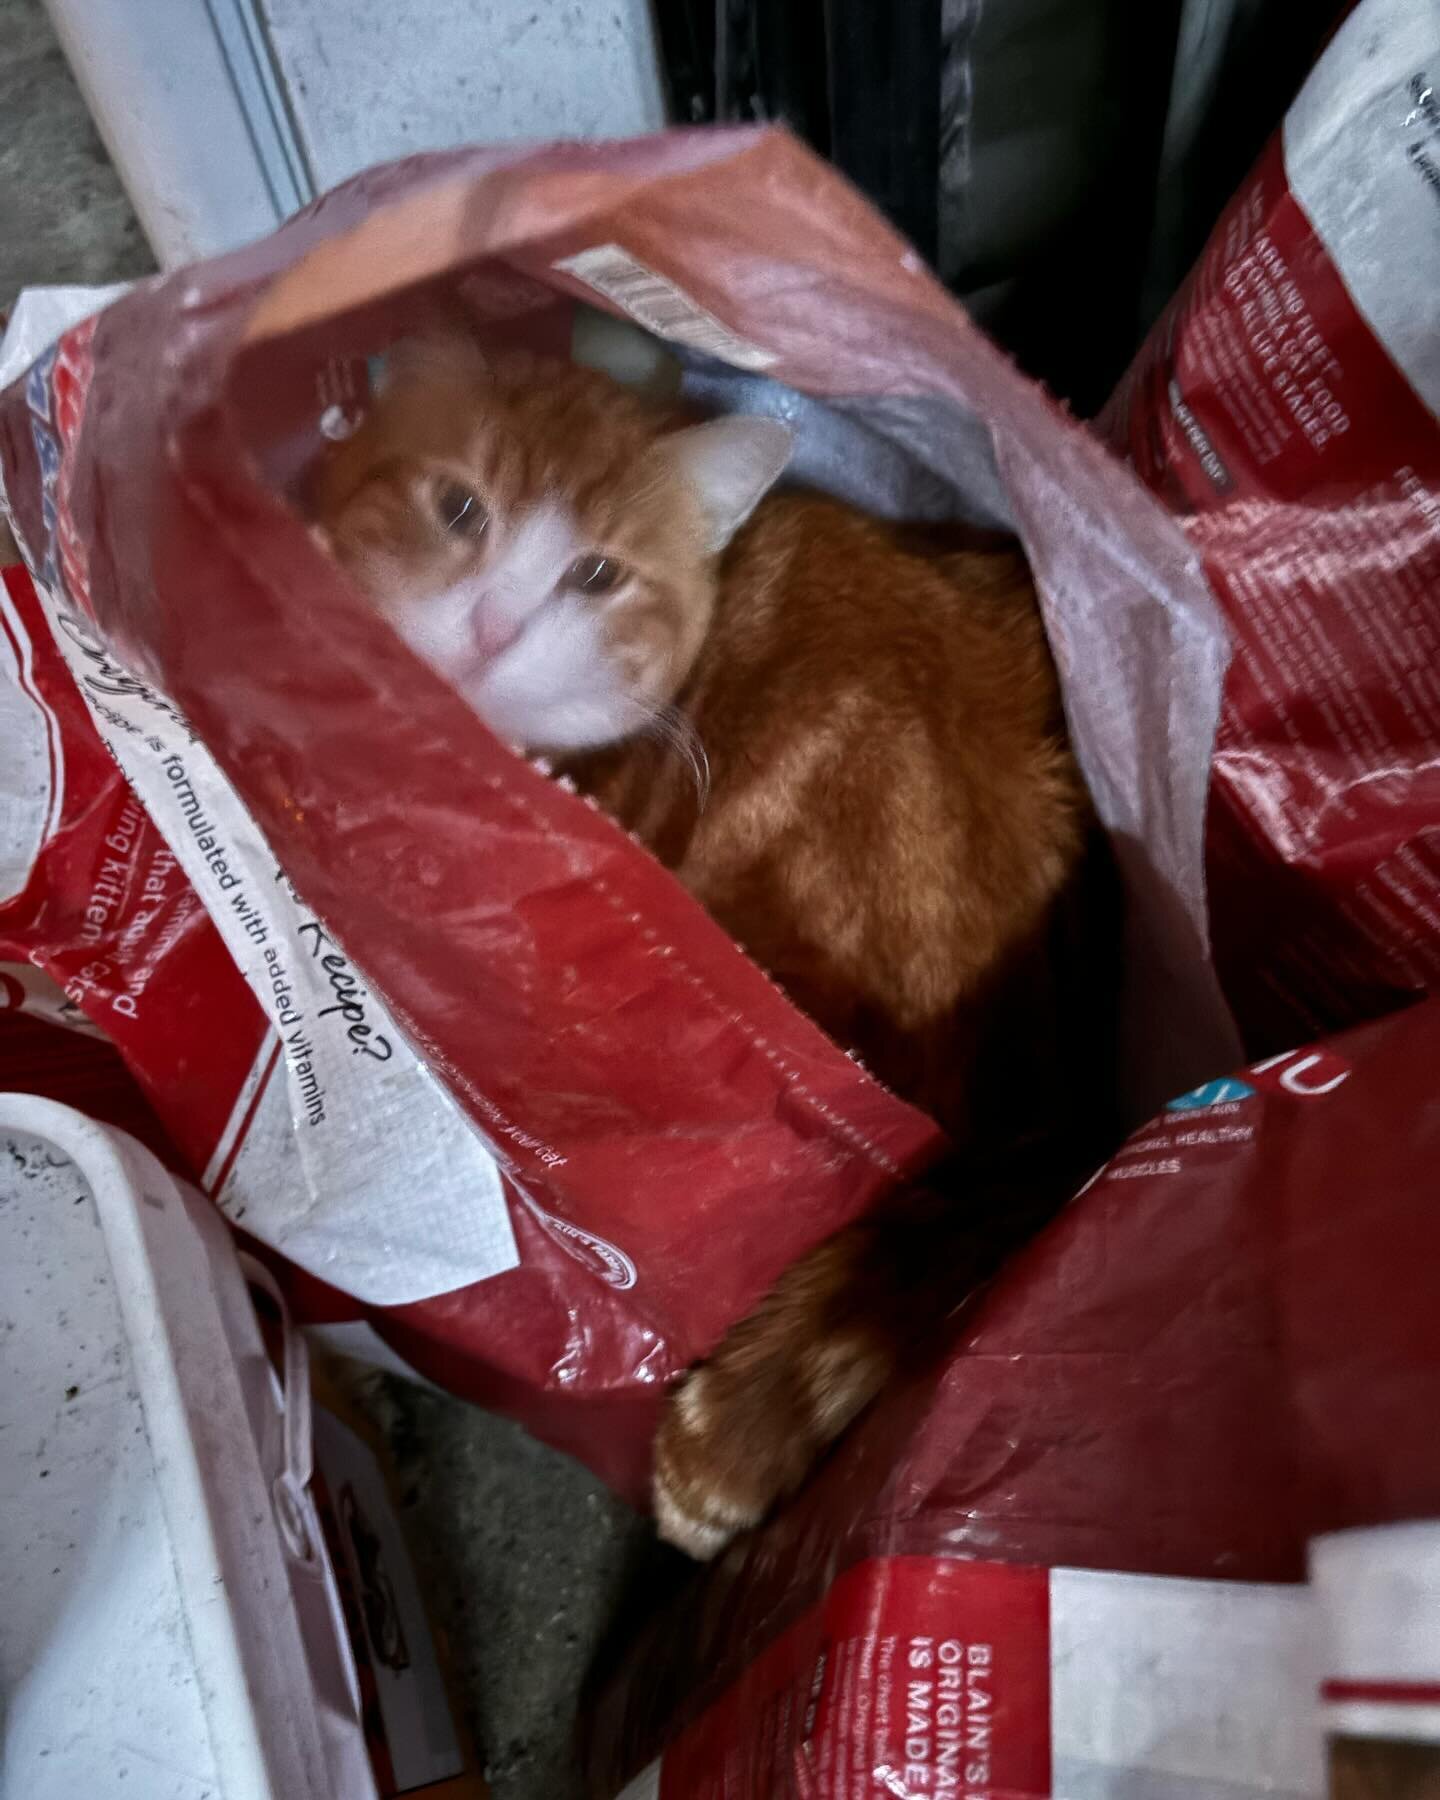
744	1429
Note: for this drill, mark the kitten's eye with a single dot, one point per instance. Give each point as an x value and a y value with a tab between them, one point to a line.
459	510
593	574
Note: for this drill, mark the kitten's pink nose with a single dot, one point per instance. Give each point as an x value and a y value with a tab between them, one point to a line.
493	636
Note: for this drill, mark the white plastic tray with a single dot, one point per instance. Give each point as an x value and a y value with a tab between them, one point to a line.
169	1628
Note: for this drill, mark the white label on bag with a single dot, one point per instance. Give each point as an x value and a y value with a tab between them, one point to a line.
655	302
1371	187
1161	1686
359	1166
29	793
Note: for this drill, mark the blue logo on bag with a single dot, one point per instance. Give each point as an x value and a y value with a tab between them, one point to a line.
1211	1093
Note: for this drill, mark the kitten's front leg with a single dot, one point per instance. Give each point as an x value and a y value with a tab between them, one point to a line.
744	1428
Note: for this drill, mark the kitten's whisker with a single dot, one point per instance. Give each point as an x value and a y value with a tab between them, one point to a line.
678	733
687	740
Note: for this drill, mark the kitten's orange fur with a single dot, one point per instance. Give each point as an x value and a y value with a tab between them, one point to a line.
892	810
891	805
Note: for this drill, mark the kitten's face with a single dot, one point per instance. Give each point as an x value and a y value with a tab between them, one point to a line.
532	531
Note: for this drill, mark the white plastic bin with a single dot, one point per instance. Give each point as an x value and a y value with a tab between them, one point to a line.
169	1622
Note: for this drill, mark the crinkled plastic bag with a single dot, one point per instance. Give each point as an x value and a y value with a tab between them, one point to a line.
1286	408
1068	1558
491	1076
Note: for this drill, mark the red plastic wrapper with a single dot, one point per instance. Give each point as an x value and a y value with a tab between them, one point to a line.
491	1078
1068	1559
1285	407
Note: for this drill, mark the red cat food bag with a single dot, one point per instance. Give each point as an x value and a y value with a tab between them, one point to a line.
487	1076
1285	408
1069	1558
99	922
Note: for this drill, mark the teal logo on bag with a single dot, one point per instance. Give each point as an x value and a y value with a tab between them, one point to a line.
1211	1093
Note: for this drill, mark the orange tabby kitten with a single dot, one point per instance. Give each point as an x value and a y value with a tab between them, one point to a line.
852	754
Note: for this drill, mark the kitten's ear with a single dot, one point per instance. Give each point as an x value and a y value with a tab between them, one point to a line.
731	464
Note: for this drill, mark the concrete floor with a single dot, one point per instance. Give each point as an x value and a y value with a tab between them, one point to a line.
63	214
528	1561
526	1557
